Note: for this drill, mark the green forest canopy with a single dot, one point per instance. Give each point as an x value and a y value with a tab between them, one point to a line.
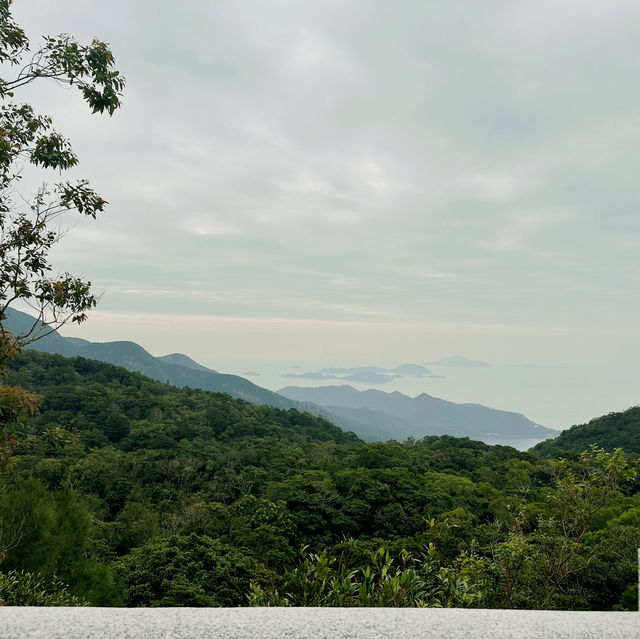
174	496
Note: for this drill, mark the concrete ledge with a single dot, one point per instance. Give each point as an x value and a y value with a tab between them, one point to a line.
312	623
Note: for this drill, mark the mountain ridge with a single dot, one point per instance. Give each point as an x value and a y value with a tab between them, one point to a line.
419	416
372	420
134	357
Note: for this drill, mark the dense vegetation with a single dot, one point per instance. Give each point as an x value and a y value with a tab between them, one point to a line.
164	496
615	430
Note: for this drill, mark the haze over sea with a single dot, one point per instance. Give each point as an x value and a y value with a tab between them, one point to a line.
553	396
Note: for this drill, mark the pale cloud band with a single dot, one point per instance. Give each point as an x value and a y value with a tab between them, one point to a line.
395	163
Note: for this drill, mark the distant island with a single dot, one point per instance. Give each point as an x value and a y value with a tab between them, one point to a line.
375	375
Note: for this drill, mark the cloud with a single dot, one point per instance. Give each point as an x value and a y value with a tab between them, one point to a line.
448	163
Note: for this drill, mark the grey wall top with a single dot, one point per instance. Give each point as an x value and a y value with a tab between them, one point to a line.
312	623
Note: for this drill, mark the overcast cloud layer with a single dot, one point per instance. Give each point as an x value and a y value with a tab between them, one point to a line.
443	176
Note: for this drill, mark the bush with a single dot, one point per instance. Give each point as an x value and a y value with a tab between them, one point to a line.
19	588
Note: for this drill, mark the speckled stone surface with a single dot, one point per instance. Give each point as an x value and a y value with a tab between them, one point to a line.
312	623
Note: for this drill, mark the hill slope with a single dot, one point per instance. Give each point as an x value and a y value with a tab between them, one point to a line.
108	404
176	369
615	430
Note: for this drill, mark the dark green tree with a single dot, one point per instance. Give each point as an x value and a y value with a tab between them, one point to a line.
28	138
29	223
192	570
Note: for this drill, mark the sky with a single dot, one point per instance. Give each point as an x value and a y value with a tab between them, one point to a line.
362	182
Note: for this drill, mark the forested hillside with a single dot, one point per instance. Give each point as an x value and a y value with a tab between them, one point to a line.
610	431
121	490
138	493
